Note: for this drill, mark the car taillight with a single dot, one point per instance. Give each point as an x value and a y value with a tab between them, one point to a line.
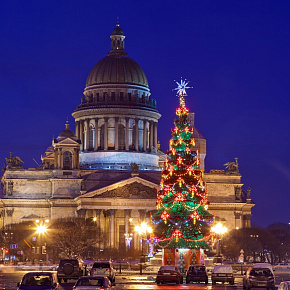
74	288
102	287
213	274
229	275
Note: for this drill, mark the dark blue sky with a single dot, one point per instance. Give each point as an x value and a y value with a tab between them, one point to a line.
235	53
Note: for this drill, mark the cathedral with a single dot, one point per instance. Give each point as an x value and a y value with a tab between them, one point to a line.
109	169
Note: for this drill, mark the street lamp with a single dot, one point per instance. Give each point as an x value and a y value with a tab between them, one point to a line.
219	229
142	230
41	229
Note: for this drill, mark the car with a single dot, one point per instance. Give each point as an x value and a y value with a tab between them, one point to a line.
196	273
169	274
92	282
70	269
38	281
105	269
259	277
284	285
222	273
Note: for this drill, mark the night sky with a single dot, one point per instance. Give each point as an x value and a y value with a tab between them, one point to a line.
236	55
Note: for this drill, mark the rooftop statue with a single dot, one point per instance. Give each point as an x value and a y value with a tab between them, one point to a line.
13	162
232	167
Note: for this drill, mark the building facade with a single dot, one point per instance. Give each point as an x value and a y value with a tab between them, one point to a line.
110	167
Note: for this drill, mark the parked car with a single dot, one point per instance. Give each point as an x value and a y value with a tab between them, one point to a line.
38	281
222	273
169	274
284	285
92	282
196	273
105	269
258	277
70	269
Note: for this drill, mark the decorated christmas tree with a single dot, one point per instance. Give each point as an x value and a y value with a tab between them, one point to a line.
182	218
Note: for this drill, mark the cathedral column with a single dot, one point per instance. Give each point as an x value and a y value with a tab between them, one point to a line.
82	135
155	135
106	133
87	134
96	134
78	129
98	222
144	135
142	216
55	158
151	135
136	134
127	234
127	134
59	158
116	133
112	228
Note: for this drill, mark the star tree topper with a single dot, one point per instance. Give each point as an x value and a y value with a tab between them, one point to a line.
181	91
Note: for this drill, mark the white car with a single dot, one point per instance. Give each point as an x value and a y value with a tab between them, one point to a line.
222	273
92	283
103	268
284	285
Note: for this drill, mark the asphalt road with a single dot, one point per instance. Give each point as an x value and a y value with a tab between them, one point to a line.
8	281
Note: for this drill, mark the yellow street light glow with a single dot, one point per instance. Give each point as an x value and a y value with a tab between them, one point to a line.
219	229
41	229
143	228
94	219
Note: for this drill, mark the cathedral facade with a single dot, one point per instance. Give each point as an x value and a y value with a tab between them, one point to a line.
109	169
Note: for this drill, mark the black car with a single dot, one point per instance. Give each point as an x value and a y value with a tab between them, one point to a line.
38	281
70	269
169	274
196	273
259	278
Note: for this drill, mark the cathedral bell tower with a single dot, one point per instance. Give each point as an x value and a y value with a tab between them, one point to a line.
64	152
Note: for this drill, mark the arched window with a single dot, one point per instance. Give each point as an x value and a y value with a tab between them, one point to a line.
92	137
67	160
121	137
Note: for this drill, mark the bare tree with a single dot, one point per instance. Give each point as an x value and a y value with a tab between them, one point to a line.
74	237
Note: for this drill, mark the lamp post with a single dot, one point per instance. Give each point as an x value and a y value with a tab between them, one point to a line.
219	229
41	230
143	230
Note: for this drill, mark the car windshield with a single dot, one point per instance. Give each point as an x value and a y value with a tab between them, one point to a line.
90	282
101	265
260	272
36	280
222	269
167	268
197	268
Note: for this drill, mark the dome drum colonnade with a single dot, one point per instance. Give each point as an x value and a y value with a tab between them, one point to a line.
117	133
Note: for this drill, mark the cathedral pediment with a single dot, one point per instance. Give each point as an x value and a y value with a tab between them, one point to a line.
132	188
68	142
131	191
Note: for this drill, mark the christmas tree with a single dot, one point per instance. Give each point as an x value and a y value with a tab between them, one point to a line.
182	218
